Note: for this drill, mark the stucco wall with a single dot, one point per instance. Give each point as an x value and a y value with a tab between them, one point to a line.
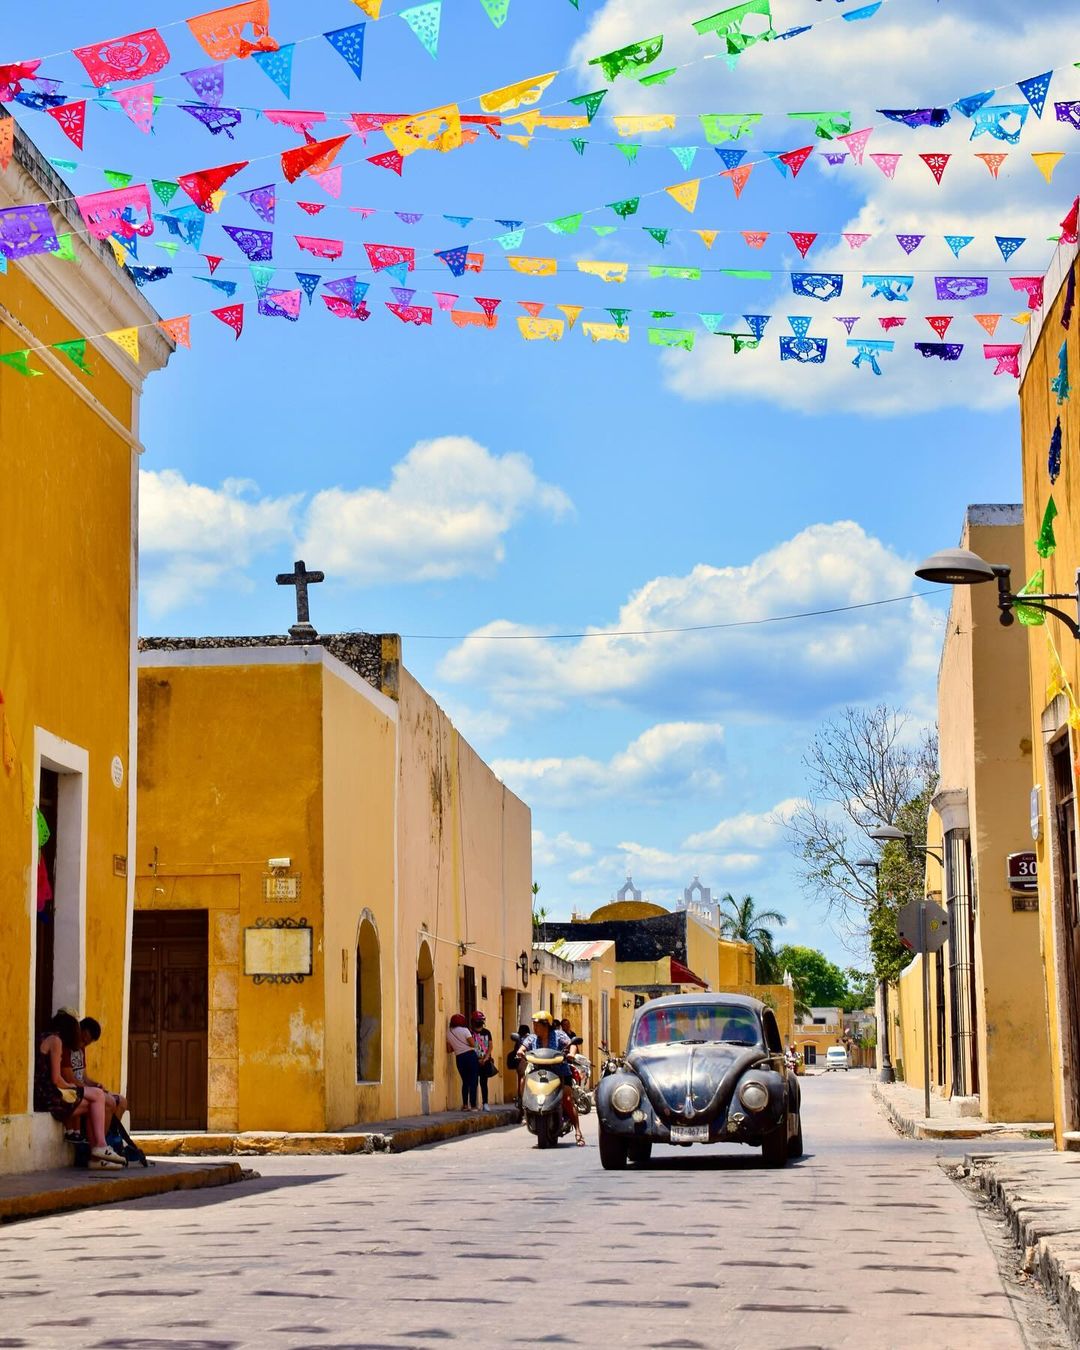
231	775
68	445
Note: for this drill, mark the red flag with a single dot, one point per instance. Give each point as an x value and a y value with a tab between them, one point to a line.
795	159
201	186
232	315
312	208
72	119
313	158
1070	224
939	322
389	159
488	305
936	164
803	242
212	261
417	314
532	307
892	321
132	57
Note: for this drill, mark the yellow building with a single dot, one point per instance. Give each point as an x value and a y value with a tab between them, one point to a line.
589	994
1050	364
816	1031
326	872
70	447
988	1033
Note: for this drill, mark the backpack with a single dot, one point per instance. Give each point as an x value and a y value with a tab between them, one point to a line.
121	1142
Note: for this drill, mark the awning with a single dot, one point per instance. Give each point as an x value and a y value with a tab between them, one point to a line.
681	974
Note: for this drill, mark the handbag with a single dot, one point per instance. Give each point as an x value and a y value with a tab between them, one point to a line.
489	1070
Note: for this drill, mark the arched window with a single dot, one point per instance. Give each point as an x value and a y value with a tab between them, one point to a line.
425	1016
368	1003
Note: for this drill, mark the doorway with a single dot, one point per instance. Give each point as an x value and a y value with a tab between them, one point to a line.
48	798
425	1016
167	1042
1068	916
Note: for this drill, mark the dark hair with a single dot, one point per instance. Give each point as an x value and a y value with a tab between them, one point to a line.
92	1027
67	1028
523	1030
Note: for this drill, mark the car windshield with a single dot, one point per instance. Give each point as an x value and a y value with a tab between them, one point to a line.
697	1022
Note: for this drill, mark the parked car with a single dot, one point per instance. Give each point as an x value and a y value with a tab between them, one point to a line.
700	1069
836	1057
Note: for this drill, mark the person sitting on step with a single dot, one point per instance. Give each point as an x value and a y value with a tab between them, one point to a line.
65	1102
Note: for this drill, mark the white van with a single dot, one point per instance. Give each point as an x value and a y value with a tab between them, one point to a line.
836	1057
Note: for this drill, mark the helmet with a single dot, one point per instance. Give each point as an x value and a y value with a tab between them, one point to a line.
544	1017
478	1018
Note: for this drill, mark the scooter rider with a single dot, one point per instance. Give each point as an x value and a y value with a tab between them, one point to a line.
547	1036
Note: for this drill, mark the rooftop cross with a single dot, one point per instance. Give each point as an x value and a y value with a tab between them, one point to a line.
301	578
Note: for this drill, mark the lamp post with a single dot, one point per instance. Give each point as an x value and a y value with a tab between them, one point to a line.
961	567
888	1073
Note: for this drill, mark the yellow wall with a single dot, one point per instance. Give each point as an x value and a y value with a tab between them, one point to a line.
464	875
906	1012
66	629
737	964
985	749
1050	707
230	775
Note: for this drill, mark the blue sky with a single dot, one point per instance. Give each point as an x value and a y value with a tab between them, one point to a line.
466	482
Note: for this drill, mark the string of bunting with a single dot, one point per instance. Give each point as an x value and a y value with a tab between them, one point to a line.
346	298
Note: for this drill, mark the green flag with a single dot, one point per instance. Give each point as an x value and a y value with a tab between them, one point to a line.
684	154
19	361
115	178
496	10
1046	543
578	144
590	102
827	125
565	224
620	316
661	77
601	230
634	56
677	273
1035	585
720	127
75	351
630	151
625	208
164	190
658	233
66	249
672	337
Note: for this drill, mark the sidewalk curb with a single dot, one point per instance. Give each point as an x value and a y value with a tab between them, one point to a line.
110	1189
963	1127
1044	1222
262	1143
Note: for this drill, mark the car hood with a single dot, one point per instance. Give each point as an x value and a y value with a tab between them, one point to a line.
692	1082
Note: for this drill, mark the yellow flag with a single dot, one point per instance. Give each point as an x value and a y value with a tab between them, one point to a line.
127	339
606	332
520	95
529	121
571	312
632	126
564	122
437	129
1023	317
708	237
120	253
1046	161
1057	682
606	271
534	329
521	140
216	198
685	193
370	7
533	267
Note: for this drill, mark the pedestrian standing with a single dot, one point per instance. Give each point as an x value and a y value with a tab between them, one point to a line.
462	1046
484	1047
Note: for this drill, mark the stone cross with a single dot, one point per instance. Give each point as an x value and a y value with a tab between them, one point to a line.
301	578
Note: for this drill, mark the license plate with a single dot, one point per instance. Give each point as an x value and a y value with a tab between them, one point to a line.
689	1134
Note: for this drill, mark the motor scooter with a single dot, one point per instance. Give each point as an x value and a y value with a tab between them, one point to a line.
542	1097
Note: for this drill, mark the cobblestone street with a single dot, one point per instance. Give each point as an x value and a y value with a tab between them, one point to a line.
486	1241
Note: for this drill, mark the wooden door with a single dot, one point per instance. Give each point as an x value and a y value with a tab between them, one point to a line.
167	1038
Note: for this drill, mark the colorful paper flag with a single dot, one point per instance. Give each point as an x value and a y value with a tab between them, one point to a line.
424	21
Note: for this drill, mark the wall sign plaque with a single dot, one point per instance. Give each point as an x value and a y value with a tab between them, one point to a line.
1023	872
278	951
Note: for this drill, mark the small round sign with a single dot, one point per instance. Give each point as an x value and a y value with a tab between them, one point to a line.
117	771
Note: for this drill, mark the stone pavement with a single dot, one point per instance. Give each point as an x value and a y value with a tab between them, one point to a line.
487	1241
380	1136
1039	1194
905	1107
32	1194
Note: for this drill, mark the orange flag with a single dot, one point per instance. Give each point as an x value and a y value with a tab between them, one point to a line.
7	141
178	329
221	33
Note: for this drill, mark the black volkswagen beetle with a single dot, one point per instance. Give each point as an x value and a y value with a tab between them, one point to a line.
700	1069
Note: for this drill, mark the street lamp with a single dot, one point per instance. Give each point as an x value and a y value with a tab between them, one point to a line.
889	834
961	567
888	1073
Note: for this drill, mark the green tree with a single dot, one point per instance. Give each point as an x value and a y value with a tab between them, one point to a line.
539	915
742	921
818	983
861	990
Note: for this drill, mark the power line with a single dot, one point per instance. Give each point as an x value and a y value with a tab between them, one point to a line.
655	632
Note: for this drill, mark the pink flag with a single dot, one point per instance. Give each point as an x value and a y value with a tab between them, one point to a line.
124	58
886	163
321	248
856	240
856	142
1007	356
138	103
445	300
104	212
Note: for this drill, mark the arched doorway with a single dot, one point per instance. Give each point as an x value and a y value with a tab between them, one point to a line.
425	1015
368	1002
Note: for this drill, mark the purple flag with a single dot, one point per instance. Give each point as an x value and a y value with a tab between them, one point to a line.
208	83
262	201
960	288
25	230
257	245
215	120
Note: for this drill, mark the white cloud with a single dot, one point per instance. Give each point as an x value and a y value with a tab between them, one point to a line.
193	539
670	756
548	850
651	866
751	829
910	55
795	669
446	513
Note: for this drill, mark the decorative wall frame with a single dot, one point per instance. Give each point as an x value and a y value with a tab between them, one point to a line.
279	951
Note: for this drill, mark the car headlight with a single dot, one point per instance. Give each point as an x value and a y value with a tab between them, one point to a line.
626	1098
754	1095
